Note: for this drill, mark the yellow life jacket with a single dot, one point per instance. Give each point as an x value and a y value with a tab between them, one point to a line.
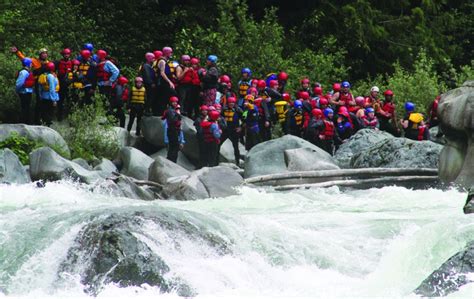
243	88
280	110
299	119
75	84
229	115
83	68
415	119
43	80
138	95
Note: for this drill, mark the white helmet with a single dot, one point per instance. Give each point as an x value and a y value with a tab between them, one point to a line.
374	88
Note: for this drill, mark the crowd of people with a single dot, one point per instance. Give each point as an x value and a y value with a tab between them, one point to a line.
257	110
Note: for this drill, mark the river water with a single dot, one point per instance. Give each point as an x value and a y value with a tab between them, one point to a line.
322	243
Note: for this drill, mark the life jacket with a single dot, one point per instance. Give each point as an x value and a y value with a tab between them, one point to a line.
389	107
434	109
172	67
43	80
370	101
243	87
229	115
328	132
84	68
73	76
188	76
370	122
298	118
30	80
196	80
207	132
102	74
64	67
346	98
281	111
138	95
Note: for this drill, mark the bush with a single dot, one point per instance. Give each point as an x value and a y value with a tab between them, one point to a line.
21	146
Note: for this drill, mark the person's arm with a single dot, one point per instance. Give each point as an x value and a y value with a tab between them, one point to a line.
334	99
20	81
162	67
52	82
113	70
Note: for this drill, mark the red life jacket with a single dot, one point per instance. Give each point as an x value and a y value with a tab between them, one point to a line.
369	122
196	81
421	133
64	67
30	80
434	109
207	133
188	76
346	98
328	132
102	75
389	108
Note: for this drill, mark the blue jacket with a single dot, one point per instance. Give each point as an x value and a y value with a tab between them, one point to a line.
51	95
180	137
114	72
20	81
216	132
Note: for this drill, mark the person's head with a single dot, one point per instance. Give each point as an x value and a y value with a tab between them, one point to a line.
304	95
252	91
158	54
254	83
231	101
388	94
286	97
298	104
26	62
122	80
305	83
224	80
318	90
167	52
214	115
149	57
370	112
195	63
211	60
186	60
282	77
410	107
374	91
88	46
317	113
323	103
50	67
101	54
66	53
261	84
360	101
86	55
43	54
246	73
345	86
138	82
328	113
336	87
273	84
204	110
174	101
75	64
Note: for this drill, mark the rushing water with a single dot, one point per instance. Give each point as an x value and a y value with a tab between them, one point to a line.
314	243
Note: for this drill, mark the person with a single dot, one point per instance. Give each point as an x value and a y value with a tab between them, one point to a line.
315	127
244	84
282	80
211	134
185	76
49	87
263	105
24	85
224	90
120	95
344	125
296	119
75	81
387	115
233	116
88	73
342	98
149	81
413	124
305	87
107	74
199	133
369	119
64	67
136	105
174	136
433	119
281	111
328	136
194	100
250	116
373	97
209	81
165	87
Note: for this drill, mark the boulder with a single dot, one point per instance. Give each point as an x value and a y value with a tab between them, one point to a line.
301	159
106	166
269	157
358	143
134	163
457	271
40	134
83	163
437	136
11	169
46	164
399	153
127	188
123	136
182	160
191	148
227	151
153	130
456	113
469	206
162	169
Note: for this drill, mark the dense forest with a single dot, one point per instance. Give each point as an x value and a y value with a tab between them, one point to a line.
363	41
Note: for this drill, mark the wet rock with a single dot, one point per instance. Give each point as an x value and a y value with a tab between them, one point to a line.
11	169
469	206
106	166
227	152
162	169
305	159
182	160
123	136
153	130
83	163
134	163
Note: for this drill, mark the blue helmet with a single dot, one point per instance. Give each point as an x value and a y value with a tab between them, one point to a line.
246	70
26	62
212	58
327	111
369	110
298	104
345	84
88	46
409	106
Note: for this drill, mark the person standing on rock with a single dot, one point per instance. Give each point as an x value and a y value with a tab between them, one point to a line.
233	116
185	76
174	136
251	123
64	67
212	135
244	84
120	95
209	81
107	74
24	85
165	86
136	105
199	134
387	115
315	127
328	135
413	124
296	119
149	80
49	88
88	75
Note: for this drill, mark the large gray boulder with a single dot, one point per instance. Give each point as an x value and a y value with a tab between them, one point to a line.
182	160
269	157
469	206
226	153
134	163
358	143
306	159
457	271
456	113
191	148
46	164
399	153
106	166
11	169
162	169
123	136
153	130
44	135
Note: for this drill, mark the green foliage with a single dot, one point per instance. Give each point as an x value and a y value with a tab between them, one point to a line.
89	133
466	73
21	146
9	101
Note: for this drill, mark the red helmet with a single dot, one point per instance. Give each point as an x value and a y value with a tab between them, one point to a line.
359	101
122	80
252	90
261	84
167	51
231	100
258	102
304	95
66	51
224	79
194	60
174	99
138	79
149	56
343	111
305	81
336	87
76	62
286	97
50	66
217	106
254	81
282	76
185	58
388	92
318	90
317	112
211	108
157	54
214	115
273	83
203	108
101	54
86	54
323	101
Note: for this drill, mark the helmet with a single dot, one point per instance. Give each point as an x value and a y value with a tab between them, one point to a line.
374	89
327	111
203	108
282	76
122	80
214	115
317	112
42	50
211	108
258	102
224	79
157	54
66	51
76	62
86	54
409	106
286	97
149	56
249	98
323	101
231	100
273	83
298	104
217	106
167	51
346	84
359	101
212	58
138	79
185	58
369	110
304	95
174	99
261	84
251	90
88	46
26	62
255	81
343	111
305	81
246	70
50	66
318	90
194	60
388	92
336	87
101	54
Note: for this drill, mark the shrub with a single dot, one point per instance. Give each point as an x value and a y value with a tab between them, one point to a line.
21	146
